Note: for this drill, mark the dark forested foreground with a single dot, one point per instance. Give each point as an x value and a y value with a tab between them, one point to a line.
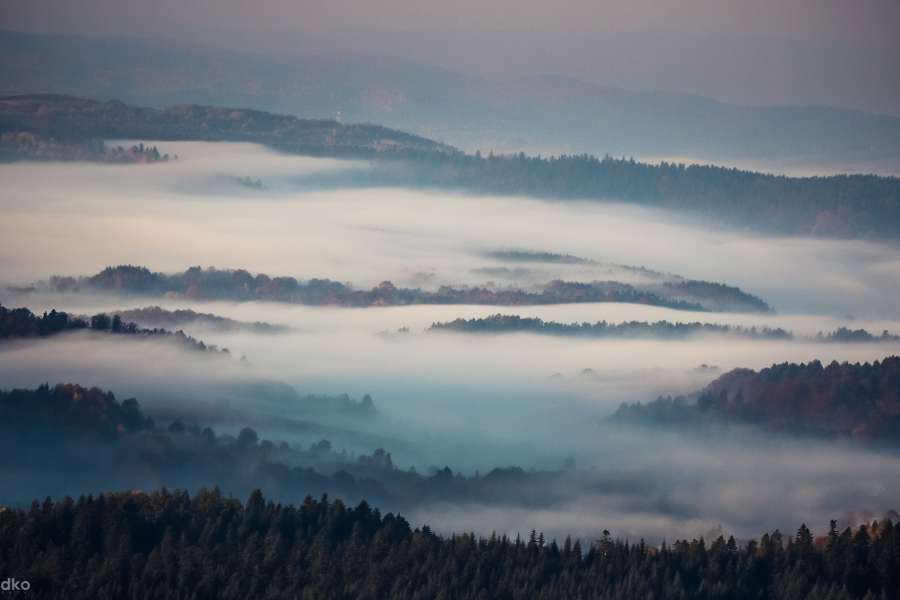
171	545
239	285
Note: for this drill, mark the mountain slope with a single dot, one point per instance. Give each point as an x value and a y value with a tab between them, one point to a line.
68	117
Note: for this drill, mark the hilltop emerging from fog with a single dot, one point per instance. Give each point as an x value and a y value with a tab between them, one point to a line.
240	285
21	323
154	316
859	400
643	329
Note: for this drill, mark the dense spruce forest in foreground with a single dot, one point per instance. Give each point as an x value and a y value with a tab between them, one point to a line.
19	323
240	285
173	545
841	205
858	400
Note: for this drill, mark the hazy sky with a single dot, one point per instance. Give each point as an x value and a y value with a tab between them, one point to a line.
831	52
867	22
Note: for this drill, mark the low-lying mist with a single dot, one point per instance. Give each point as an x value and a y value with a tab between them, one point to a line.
634	481
651	485
78	218
471	402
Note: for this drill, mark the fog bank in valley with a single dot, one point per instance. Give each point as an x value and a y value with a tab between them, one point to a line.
77	218
472	402
633	481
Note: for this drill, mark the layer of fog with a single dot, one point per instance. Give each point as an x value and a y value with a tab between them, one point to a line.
664	487
76	219
470	402
481	399
689	499
478	406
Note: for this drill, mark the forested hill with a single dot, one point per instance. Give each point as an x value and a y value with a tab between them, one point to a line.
78	119
858	400
155	316
663	330
834	206
240	285
172	545
21	323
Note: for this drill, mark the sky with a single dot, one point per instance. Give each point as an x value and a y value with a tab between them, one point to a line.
824	52
862	22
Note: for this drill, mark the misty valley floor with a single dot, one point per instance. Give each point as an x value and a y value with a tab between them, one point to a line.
470	403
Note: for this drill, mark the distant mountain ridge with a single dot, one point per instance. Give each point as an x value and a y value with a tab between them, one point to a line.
538	114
